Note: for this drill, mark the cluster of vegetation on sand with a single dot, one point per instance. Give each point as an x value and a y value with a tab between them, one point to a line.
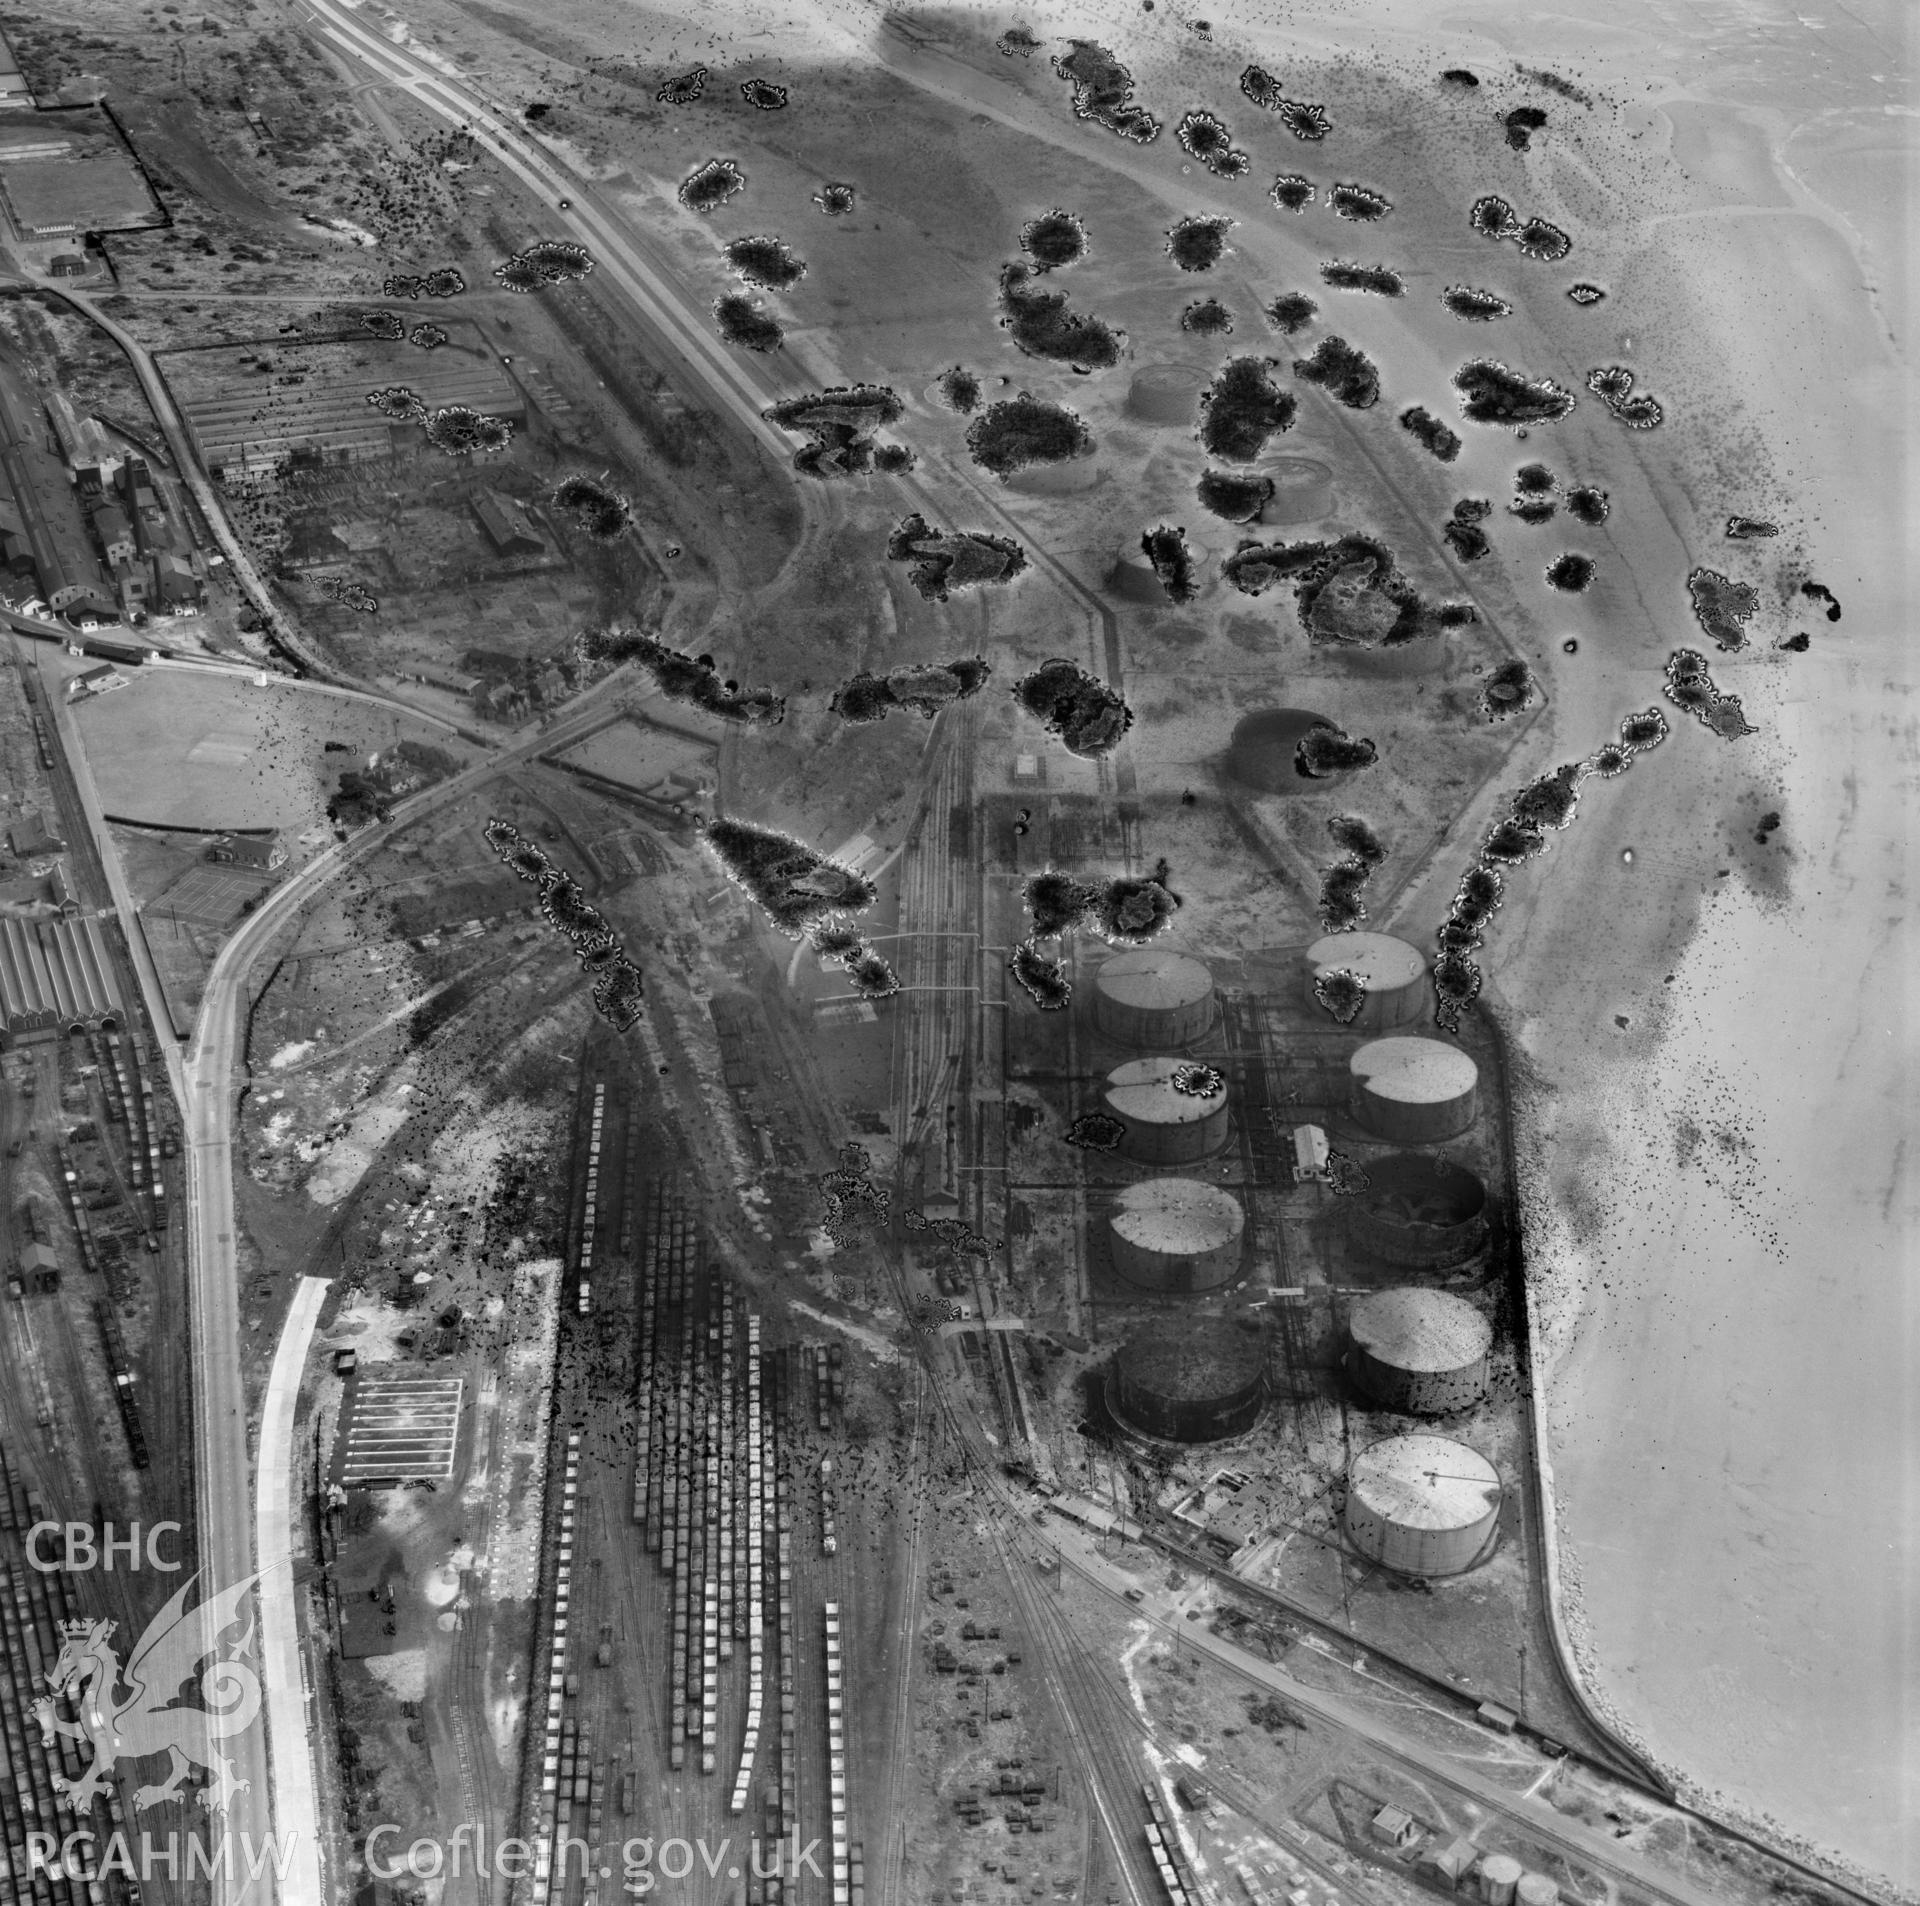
1361	203
1819	592
389	325
692	679
1570	572
1588	504
1507	690
839	424
1348	593
945	560
712	185
1346	373
1304	121
1742	529
1009	435
1095	1132
1123	911
603	514
1379	279
446	282
552	261
617	992
1325	751
1613	385
797	888
398	404
767	262
459	431
1462	532
739	320
1583	293
1291	313
1204	137
1722	607
836	198
1242	408
1521	124
1492	217
1477	307
922	688
1087	716
1198	242
1053	240
1490	393
1343	886
1237	497
1198	1081
1166	549
683	88
1044	981
1206	318
1433	436
762	95
1291	192
1103	92
959	389
429	337
1691	688
1044	327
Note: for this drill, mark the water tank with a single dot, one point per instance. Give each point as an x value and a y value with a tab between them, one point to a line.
1071	478
1395	975
1536	1889
1177	1234
1153	997
1422	1505
1168	393
1423	1212
1191	1379
1167	1121
1414	1091
1421	1351
1499	1876
1302	491
1260	755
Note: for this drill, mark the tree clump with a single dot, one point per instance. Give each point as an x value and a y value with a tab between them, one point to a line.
795	886
1361	203
1238	498
1053	240
1291	192
1343	371
712	185
768	263
751	326
1507	690
1242	408
1198	243
694	680
959	389
1044	327
945	560
1291	313
1008	436
1477	307
1204	137
1722	607
1613	384
1490	393
1436	438
1378	279
839	424
1328	750
1206	317
1166	549
1103	92
1086	716
603	514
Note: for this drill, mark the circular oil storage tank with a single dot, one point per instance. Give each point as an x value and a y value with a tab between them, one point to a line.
1395	975
1177	1234
1190	1380
1302	491
1421	1505
1419	1211
1414	1091
1260	755
1164	1124
1536	1889
1151	997
1072	478
1421	1351
1167	393
1499	1875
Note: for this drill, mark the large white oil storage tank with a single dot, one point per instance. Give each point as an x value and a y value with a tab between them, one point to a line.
1174	1112
1414	1091
1153	997
1537	1889
1499	1876
1422	1351
1393	972
1177	1234
1422	1505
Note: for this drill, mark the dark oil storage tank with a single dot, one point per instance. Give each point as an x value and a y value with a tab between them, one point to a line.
1176	1234
1167	393
1419	1211
1302	490
1151	996
1394	973
1422	1505
1260	754
1421	1351
1190	1379
1414	1091
1174	1111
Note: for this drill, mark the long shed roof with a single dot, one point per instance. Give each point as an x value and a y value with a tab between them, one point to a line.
58	968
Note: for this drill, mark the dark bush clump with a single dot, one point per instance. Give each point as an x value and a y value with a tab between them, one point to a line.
1088	717
1304	121
1507	690
1608	760
1130	912
862	698
684	88
1460	76
1722	607
1166	549
1480	892
1007	436
398	404
1588	505
1253	568
1361	203
1356	837
1456	984
1198	243
1329	750
1054	239
603	515
1538	239
1468	541
1344	373
893	459
1455	936
1534	479
1261	87
762	95
684	678
1534	509
1057	903
1096	1131
1570	572
712	185
796	887
839	425
1521	124
458	431
837	940
1044	327
1240	499
1206	138
1292	312
389	324
751	326
1472	509
872	977
1549	801
1477	307
1198	1081
1242	408
946	560
766	262
1291	193
1430	433
1511	844
1490	393
1341	907
1493	217
835	199
1341	992
1206	317
959	389
1103	92
1375	278
1743	528
1797	643
1584	294
1613	385
1045	982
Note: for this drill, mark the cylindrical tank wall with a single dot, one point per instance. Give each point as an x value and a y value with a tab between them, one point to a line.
1167	394
1414	1091
1151	997
1395	974
1177	1236
1420	1351
1190	1382
1420	1212
1421	1505
1302	491
1499	1875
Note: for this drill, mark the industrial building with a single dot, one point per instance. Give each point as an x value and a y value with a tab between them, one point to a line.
1422	1505
1190	1379
1414	1091
1177	1234
1424	1352
1261	751
1167	393
47	511
1153	997
1166	1123
55	977
509	527
1302	491
1418	1211
260	852
1394	974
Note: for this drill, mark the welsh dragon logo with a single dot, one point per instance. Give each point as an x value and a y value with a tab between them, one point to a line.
144	1721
